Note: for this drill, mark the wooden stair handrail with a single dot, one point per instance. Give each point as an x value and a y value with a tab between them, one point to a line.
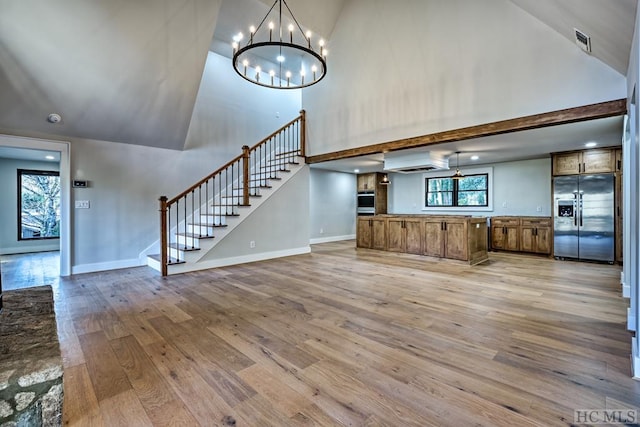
244	160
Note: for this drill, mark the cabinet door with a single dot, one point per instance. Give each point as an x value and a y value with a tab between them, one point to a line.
396	233
433	238
363	234
456	240
527	239
543	240
511	240
413	236
566	163
378	233
497	237
598	161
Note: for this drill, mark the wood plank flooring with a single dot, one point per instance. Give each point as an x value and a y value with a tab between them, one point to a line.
346	337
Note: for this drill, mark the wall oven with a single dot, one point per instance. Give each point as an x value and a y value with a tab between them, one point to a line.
366	203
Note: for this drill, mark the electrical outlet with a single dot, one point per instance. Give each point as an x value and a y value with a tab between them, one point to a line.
504	204
82	204
252	244
539	209
321	230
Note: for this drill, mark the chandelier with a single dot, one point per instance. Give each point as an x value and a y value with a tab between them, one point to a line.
277	57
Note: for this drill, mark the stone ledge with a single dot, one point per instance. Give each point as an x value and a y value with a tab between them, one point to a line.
30	361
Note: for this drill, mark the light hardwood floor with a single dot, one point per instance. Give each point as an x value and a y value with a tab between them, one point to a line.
346	337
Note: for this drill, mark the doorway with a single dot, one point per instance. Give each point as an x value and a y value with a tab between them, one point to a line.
61	148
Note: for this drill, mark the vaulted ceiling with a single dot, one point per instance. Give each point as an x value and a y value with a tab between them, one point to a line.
129	71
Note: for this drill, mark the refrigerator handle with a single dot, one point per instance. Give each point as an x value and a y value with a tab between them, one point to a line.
575	210
580	207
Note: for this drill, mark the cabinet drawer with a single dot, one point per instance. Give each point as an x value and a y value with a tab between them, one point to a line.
536	222
504	221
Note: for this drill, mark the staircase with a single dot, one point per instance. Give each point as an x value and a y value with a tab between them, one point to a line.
196	220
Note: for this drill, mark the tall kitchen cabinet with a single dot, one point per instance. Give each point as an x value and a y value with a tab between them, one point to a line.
618	204
372	183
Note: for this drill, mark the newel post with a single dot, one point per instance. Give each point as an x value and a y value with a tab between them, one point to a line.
245	175
303	133
163	235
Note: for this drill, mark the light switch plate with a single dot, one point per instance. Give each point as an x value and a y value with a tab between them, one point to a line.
82	204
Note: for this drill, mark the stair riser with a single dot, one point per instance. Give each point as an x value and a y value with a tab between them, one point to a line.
239	193
227	210
213	220
201	229
189	241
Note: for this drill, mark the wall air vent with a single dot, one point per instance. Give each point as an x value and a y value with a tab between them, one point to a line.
583	40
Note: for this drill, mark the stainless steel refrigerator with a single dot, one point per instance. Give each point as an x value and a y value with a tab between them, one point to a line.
584	214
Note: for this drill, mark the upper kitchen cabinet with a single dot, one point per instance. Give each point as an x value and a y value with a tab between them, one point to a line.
588	161
367	182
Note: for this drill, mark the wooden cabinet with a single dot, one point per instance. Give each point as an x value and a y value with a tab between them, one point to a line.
589	161
462	238
504	233
522	234
371	233
367	182
372	182
446	238
363	232
404	235
535	235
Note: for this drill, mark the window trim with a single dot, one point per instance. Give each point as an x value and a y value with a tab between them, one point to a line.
466	171
20	173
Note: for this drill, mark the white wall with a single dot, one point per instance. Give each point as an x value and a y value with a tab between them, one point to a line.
9	243
523	186
332	203
406	68
631	201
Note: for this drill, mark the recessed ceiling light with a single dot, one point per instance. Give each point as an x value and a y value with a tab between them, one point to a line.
49	157
356	170
474	157
590	144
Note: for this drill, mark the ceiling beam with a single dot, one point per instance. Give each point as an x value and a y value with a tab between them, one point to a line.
554	118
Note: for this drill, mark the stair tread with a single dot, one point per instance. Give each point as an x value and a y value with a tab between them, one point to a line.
276	169
204	224
238	197
193	235
182	247
277	178
171	260
257	186
278	162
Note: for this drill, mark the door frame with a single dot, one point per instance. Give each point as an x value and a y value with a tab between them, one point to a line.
63	148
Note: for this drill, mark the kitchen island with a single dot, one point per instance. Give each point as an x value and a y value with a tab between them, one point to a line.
446	236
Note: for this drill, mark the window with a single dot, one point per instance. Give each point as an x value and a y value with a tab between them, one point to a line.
38	204
470	191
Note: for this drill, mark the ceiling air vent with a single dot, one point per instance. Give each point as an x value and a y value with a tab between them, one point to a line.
583	40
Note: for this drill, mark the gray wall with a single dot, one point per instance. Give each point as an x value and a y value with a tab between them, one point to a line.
9	243
332	202
279	225
523	186
126	180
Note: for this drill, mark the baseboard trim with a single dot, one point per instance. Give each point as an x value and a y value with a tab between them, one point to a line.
635	360
243	259
104	266
33	249
331	239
